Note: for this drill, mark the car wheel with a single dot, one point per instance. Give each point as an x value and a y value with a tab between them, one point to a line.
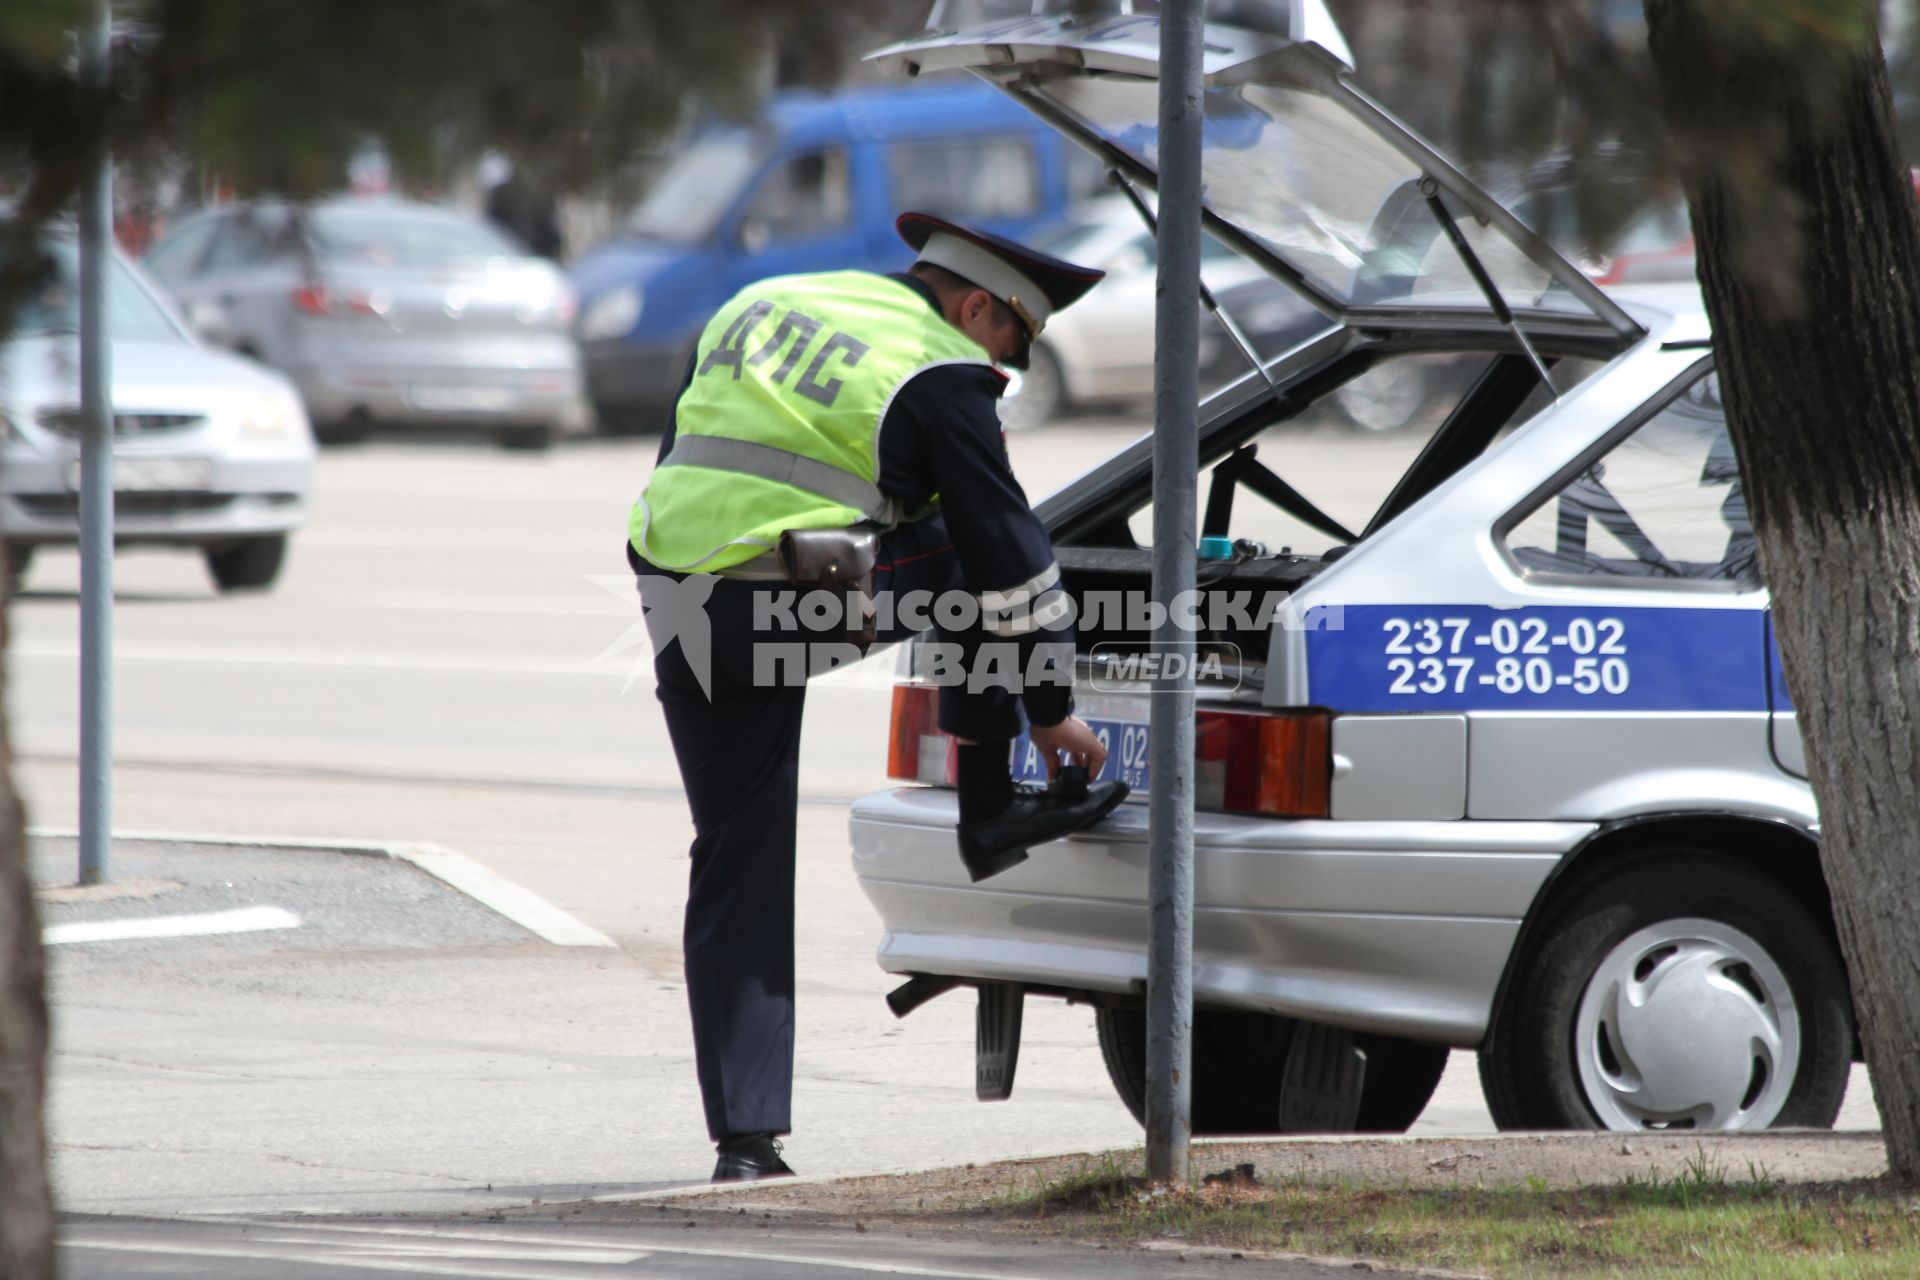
1237	1060
1041	395
248	565
19	557
532	439
1678	988
624	419
344	431
1387	397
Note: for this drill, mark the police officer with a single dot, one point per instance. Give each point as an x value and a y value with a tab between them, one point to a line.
818	402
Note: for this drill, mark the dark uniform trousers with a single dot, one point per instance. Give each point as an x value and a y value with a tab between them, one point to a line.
739	758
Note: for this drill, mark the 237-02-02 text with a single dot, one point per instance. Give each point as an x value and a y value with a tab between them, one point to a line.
1507	655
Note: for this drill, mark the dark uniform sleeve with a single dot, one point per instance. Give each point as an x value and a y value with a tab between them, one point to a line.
942	435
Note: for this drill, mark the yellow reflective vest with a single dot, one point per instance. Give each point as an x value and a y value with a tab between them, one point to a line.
780	427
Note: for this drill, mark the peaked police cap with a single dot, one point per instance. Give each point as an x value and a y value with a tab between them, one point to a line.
1034	285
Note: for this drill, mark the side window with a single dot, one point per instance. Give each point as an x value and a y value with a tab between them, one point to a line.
1664	504
174	259
242	243
805	197
972	178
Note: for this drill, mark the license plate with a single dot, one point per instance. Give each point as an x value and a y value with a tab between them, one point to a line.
449	399
153	475
1127	744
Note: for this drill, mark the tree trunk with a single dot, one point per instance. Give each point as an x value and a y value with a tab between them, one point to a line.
1809	256
26	1195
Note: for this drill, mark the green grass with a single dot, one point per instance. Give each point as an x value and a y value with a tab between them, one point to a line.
1698	1222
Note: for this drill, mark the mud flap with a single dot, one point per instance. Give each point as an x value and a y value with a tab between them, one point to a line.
1321	1082
996	1039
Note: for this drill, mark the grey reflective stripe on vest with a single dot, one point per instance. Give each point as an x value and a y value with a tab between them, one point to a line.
769	463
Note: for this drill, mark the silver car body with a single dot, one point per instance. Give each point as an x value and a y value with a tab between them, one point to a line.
209	448
1393	914
1456	799
374	333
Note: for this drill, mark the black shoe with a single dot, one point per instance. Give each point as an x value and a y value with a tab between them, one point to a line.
747	1156
992	845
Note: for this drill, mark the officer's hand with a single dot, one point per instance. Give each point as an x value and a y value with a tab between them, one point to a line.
1073	737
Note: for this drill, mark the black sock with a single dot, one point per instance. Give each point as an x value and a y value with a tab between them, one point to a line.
986	780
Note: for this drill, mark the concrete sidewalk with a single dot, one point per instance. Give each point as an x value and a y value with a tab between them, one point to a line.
405	1049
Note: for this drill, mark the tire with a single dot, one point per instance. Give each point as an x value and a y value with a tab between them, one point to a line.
1042	396
343	431
529	439
1735	1014
248	566
19	556
622	420
1238	1059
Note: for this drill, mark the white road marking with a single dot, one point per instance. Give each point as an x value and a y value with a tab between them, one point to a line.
244	920
452	1267
877	1266
457	871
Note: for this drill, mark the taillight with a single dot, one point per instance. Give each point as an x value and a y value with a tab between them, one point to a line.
1277	763
313	300
917	751
316	301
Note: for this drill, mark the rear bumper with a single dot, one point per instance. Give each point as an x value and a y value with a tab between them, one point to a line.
547	392
1403	928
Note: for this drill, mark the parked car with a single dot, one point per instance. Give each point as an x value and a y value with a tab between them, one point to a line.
384	310
1103	354
211	451
814	185
1513	767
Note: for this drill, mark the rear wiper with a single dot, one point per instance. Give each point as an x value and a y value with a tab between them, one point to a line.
1266	484
1502	312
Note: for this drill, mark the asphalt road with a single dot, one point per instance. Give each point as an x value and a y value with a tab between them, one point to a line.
454	656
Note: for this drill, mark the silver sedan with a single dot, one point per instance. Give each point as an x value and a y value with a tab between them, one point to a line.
210	451
385	311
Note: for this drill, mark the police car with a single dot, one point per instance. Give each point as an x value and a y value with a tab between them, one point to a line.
1493	748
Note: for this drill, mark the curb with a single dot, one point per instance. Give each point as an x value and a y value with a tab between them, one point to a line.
457	871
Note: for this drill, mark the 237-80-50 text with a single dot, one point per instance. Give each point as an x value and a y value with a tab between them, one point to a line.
1587	656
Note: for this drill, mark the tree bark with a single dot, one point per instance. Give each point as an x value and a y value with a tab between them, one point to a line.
26	1195
1809	258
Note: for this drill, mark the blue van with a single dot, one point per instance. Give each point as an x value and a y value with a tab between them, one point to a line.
814	185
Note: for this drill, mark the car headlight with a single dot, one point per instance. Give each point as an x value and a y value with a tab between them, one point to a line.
271	417
611	315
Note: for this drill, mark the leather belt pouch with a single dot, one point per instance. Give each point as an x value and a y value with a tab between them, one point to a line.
840	561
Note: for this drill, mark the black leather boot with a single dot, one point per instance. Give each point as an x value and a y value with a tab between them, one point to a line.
747	1156
994	844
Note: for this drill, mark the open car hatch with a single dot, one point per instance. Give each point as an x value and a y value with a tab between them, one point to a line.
1302	172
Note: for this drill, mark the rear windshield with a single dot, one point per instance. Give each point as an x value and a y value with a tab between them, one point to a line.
393	239
132	313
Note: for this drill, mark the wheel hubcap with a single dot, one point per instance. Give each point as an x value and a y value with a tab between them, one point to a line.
1687	1024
